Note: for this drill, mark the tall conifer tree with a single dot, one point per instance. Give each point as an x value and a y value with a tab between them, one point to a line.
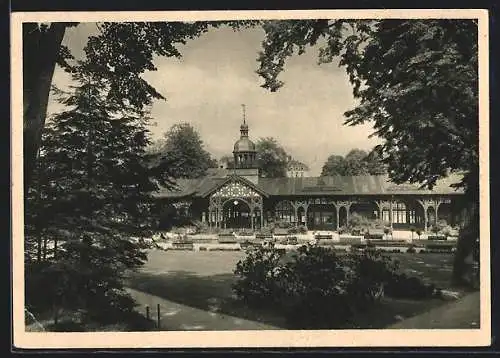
92	196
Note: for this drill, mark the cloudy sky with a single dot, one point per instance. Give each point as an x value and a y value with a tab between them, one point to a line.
217	74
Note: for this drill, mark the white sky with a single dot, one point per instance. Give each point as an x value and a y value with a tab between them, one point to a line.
217	74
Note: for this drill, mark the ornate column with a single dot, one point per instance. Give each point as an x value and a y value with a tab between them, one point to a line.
337	214
438	203
301	204
338	217
390	212
429	203
256	202
426	219
343	204
379	208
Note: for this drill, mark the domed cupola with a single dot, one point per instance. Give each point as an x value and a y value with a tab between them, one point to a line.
245	155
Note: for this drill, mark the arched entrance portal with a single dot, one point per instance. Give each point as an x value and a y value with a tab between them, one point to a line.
236	214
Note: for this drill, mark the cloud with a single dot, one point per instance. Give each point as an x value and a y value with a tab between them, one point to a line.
216	74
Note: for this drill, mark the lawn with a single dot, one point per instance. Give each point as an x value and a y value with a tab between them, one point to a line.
202	281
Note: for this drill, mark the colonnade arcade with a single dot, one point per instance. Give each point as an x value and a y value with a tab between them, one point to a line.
331	214
236	205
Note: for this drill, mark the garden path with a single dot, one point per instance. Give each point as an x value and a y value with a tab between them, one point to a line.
175	316
463	313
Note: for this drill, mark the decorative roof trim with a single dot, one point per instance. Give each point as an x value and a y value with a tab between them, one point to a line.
233	177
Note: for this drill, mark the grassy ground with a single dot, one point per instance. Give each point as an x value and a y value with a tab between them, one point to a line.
201	281
70	322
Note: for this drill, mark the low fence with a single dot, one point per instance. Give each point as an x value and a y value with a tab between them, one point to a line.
157	318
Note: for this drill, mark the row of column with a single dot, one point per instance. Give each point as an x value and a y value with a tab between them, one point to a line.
347	207
219	217
381	204
426	205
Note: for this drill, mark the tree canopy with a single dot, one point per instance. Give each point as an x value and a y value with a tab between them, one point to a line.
415	80
182	153
356	162
117	55
271	158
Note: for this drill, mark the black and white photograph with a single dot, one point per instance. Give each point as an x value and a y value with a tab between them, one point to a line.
265	178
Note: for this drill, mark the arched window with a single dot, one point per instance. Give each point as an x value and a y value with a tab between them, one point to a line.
284	211
401	213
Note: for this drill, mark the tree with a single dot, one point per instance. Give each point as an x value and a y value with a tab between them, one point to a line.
183	153
41	51
356	162
271	158
94	194
416	80
334	165
119	54
227	161
374	163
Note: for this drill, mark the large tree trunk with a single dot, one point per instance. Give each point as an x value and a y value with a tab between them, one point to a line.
40	52
463	261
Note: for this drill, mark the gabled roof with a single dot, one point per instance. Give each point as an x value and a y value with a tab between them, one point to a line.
313	186
231	178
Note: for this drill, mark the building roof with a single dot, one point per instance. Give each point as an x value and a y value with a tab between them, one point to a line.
314	186
244	145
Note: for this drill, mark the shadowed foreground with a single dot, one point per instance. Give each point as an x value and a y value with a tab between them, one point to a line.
194	292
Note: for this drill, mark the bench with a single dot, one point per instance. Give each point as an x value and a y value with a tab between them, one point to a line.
182	246
436	237
226	238
323	236
247	244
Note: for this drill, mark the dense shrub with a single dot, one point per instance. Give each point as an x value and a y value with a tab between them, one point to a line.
312	288
265	232
302	229
283	224
441	228
88	264
361	224
403	286
411	249
292	241
258	275
316	288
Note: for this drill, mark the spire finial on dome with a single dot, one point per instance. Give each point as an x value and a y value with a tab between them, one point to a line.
244	113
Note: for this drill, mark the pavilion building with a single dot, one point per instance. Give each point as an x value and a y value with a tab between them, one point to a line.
239	197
